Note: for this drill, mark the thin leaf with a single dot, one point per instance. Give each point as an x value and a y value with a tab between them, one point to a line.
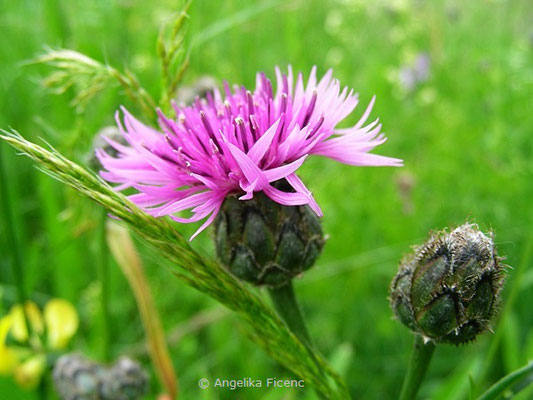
503	384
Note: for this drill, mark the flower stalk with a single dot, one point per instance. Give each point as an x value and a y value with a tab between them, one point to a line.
286	304
417	367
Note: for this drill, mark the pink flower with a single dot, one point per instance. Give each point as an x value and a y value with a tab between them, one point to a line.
240	143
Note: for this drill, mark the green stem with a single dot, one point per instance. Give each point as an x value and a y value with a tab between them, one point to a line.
43	389
499	387
288	308
12	241
103	276
285	303
416	370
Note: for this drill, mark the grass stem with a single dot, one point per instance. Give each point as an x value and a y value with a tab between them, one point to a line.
103	277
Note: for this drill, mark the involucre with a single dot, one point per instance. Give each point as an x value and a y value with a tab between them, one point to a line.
265	243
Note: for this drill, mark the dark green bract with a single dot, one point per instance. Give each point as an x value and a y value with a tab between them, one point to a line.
265	243
448	290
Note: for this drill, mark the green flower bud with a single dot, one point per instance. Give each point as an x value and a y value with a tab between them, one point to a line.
77	378
448	290
265	243
125	380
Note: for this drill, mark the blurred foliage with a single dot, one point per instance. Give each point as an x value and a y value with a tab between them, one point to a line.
464	133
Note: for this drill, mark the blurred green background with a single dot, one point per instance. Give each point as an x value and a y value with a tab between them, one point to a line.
454	87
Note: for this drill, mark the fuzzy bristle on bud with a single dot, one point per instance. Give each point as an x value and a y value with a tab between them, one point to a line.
265	243
448	290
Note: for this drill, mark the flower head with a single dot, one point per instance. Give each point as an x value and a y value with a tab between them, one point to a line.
240	142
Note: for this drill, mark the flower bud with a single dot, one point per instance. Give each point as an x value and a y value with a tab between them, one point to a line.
265	243
77	378
448	290
126	380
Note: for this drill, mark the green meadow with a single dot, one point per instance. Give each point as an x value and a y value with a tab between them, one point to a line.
463	127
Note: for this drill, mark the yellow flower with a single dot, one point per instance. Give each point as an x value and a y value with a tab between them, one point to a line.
61	321
8	359
28	373
35	319
5	326
28	363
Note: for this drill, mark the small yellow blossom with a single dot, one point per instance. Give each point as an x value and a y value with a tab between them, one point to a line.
61	321
8	359
28	373
35	319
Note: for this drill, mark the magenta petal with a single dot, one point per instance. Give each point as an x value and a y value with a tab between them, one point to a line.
144	200
250	170
361	159
117	146
278	173
208	221
299	186
363	119
260	147
249	189
185	203
210	183
287	199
